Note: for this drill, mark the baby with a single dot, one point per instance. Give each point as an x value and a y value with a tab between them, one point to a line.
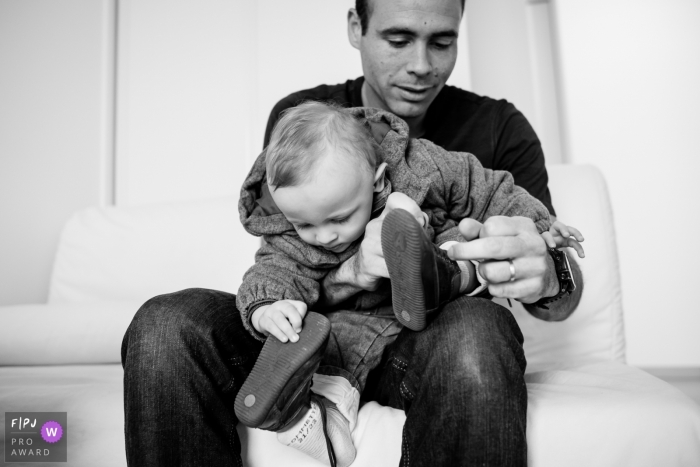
325	175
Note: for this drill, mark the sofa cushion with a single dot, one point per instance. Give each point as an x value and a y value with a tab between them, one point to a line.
603	415
134	253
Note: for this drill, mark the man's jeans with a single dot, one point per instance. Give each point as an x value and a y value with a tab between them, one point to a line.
460	382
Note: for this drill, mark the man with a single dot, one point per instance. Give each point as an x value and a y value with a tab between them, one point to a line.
408	51
460	380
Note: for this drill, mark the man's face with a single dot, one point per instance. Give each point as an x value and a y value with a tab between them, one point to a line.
408	51
333	207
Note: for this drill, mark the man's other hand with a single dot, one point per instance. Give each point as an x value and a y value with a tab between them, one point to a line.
368	264
498	242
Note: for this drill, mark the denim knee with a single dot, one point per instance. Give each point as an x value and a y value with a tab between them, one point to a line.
480	342
479	318
172	322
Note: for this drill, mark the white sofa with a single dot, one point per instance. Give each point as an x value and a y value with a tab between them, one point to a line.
586	407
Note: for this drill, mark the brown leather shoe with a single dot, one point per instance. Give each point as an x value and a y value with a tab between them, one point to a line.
423	277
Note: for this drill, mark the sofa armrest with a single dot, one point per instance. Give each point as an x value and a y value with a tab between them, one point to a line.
62	334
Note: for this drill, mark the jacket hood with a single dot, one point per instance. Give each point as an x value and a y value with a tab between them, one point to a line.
260	215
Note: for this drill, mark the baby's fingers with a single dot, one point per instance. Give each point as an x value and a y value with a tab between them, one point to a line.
295	313
282	329
276	332
573	243
549	240
576	233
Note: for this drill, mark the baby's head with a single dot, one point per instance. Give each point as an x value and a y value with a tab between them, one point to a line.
322	171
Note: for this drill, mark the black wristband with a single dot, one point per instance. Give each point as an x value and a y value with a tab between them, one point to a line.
564	276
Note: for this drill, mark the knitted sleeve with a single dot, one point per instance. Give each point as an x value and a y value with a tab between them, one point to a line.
275	276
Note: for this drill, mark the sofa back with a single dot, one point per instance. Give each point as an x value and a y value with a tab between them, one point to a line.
134	253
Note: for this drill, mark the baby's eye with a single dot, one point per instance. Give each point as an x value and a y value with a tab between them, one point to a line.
341	221
301	226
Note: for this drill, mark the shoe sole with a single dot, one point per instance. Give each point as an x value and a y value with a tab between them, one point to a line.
401	240
275	366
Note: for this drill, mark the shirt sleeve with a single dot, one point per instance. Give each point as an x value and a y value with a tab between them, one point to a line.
467	189
519	151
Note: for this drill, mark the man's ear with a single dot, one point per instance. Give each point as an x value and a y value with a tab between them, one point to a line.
354	28
379	177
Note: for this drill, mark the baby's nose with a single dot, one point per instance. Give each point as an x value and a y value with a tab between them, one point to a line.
326	237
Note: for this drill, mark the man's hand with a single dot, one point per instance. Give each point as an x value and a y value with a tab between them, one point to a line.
369	265
496	243
363	271
282	319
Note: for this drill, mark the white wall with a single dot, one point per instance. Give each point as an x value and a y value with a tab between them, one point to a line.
512	57
186	73
304	44
56	111
631	98
197	80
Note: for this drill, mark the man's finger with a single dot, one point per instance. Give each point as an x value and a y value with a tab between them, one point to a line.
525	291
501	226
498	271
488	248
470	228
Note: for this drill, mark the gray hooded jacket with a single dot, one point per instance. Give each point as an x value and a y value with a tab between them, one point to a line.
448	186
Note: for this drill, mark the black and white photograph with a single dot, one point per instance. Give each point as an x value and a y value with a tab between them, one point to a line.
416	233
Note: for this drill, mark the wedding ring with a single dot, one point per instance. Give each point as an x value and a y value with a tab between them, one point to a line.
512	270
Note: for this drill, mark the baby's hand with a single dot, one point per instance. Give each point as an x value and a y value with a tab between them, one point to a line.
398	200
282	319
560	235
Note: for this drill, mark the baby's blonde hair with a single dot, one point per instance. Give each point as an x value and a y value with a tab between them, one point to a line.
306	132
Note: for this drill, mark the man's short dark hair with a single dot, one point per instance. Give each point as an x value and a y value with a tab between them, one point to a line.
363	11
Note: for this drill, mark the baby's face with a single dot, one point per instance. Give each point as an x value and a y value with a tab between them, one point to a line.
332	208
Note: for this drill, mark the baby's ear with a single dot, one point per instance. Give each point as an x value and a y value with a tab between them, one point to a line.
379	176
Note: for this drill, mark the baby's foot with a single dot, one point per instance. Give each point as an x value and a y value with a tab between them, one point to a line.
322	433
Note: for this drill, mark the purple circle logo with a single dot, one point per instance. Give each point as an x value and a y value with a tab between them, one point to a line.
51	431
